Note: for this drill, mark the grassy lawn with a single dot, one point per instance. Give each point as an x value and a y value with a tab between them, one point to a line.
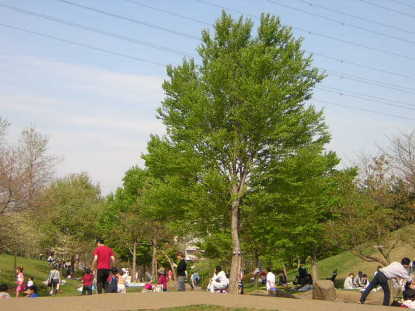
205	308
35	268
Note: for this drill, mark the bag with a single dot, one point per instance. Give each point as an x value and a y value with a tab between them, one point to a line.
49	283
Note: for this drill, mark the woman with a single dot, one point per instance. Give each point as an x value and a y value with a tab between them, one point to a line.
19	281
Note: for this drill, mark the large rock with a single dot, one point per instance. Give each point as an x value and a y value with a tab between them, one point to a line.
324	290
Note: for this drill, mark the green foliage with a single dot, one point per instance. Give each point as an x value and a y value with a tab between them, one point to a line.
68	217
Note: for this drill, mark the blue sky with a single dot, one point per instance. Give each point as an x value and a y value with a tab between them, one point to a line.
99	110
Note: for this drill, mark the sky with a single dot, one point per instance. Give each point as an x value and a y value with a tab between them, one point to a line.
95	95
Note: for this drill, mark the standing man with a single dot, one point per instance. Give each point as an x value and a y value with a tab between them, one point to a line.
103	259
181	272
395	270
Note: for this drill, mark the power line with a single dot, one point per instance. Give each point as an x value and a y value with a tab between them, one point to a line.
362	109
312	33
168	12
95	30
80	44
129	19
332	58
105	51
364	80
403	3
364	19
167	49
360	65
339	22
387	8
367	98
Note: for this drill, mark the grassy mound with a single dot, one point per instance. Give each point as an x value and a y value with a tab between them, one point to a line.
35	268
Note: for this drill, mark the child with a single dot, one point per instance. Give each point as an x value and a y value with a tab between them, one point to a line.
121	282
148	287
87	281
3	291
112	281
163	280
32	292
30	281
19	281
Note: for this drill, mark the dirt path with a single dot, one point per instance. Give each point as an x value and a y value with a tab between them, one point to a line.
118	302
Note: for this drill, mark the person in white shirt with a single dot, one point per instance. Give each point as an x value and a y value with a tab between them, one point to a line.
348	282
395	270
270	281
219	281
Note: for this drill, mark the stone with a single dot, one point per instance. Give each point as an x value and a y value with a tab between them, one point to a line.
324	290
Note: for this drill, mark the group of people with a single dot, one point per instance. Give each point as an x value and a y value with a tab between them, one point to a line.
356	282
26	288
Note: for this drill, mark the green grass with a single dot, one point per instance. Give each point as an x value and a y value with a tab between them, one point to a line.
205	308
35	268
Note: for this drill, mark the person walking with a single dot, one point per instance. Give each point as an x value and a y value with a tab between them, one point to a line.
54	280
395	270
104	258
181	272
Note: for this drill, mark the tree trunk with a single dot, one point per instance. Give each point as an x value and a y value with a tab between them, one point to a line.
134	261
154	260
284	269
314	269
171	263
236	248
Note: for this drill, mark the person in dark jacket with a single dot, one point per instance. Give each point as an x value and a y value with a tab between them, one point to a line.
181	272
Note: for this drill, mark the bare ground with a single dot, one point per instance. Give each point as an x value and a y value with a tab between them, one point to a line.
132	302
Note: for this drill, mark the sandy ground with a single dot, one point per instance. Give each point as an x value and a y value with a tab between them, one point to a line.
119	302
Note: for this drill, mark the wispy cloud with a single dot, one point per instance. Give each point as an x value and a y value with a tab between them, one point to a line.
99	121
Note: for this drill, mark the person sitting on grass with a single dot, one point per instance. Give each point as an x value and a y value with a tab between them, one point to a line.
348	282
31	292
395	270
219	281
3	291
87	281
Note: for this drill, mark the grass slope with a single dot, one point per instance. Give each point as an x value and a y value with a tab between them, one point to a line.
35	268
346	262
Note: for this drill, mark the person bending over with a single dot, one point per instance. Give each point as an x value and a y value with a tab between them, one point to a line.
395	270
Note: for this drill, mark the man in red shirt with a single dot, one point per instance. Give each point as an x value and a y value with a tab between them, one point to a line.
103	259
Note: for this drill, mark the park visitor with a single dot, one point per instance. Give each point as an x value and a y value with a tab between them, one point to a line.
54	280
19	281
181	272
103	259
30	281
395	270
358	279
270	281
87	281
112	281
219	281
162	280
122	282
31	292
348	282
3	291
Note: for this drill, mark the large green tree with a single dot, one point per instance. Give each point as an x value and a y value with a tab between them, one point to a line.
242	108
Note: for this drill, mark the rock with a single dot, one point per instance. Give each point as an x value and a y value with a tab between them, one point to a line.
324	290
